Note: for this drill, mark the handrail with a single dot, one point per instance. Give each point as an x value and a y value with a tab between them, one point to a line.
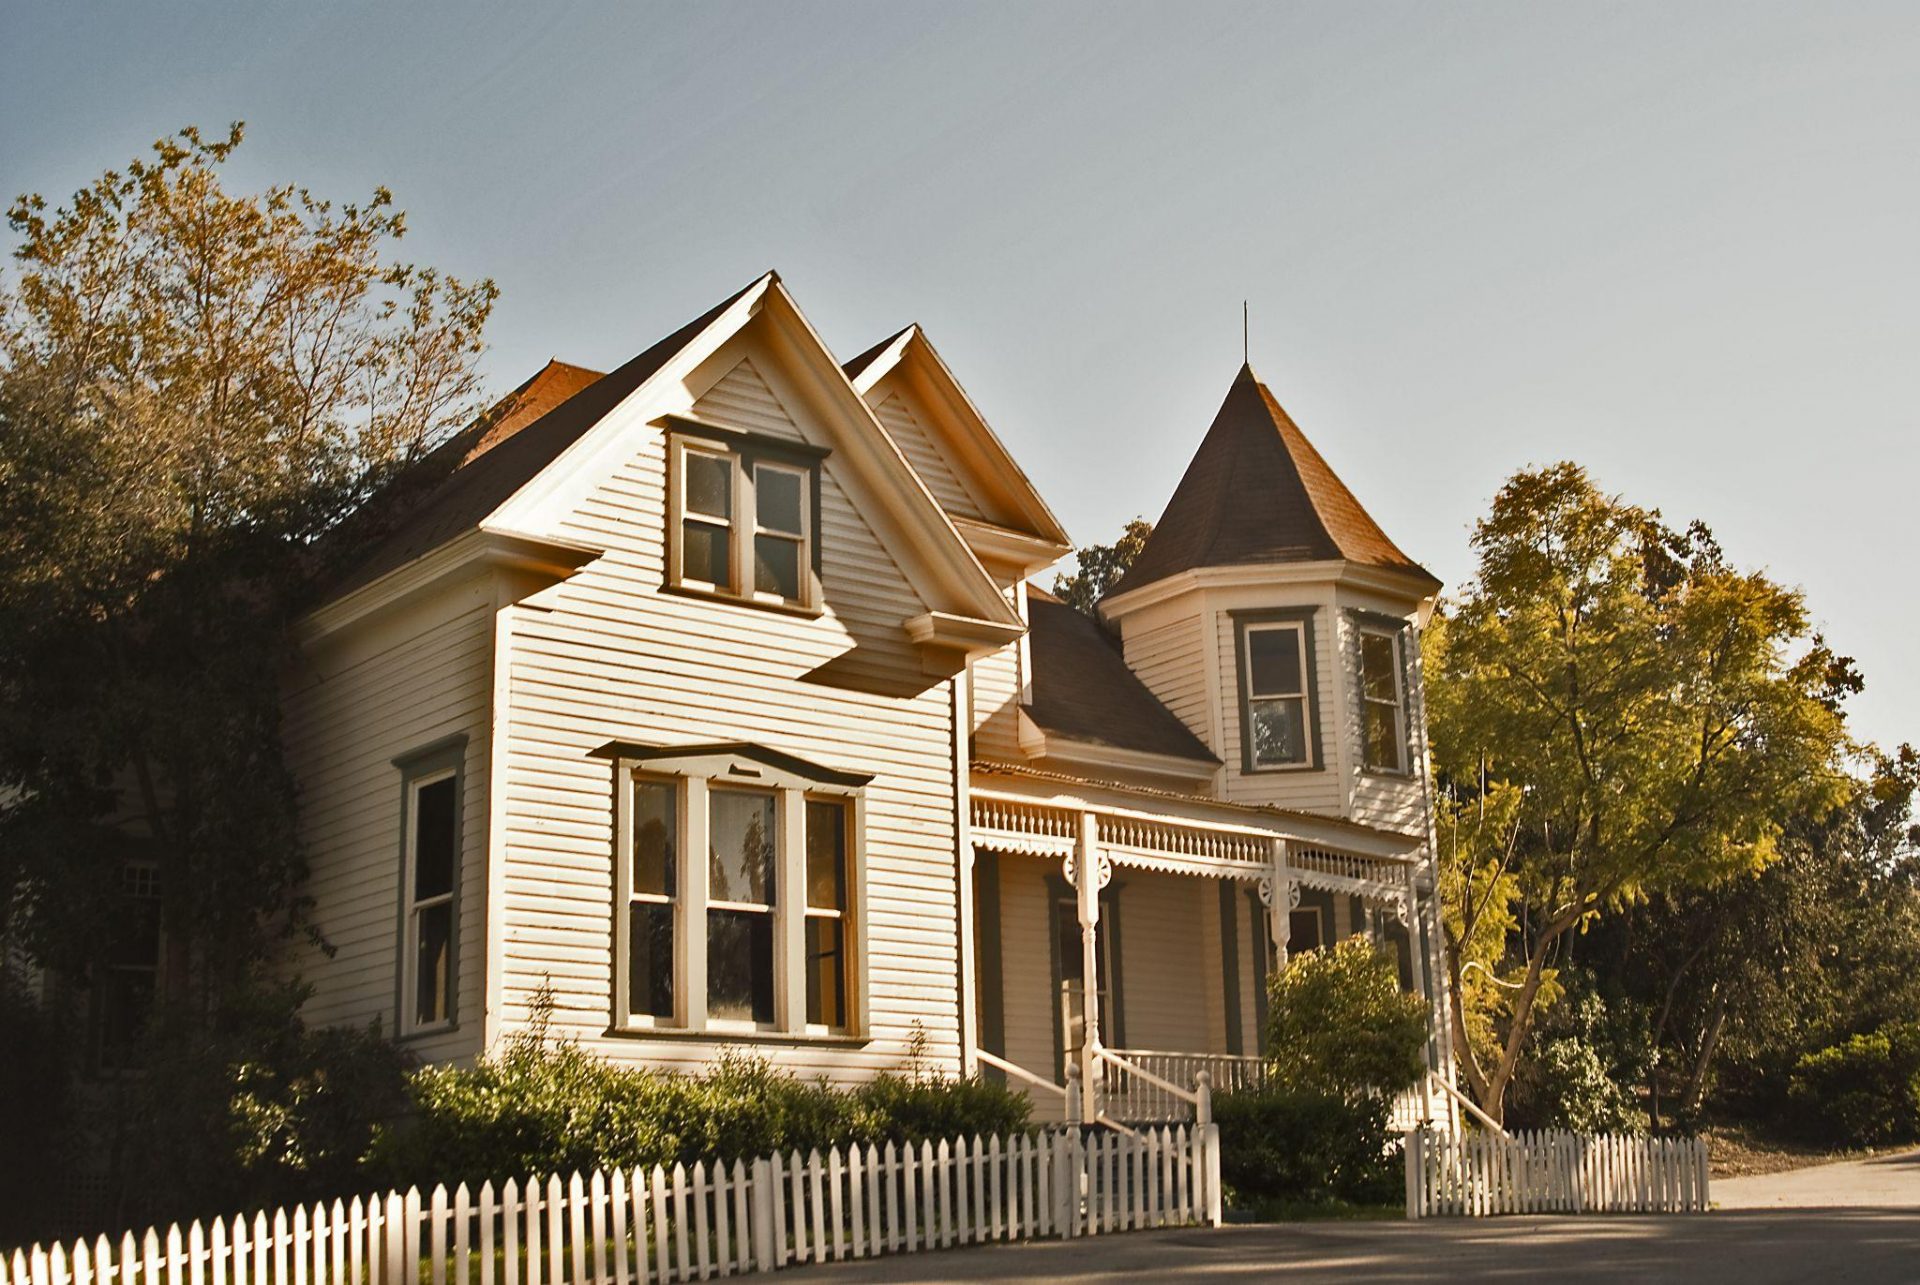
1167	1086
1019	1073
1469	1104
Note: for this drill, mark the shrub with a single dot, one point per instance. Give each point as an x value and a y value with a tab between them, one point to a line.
1586	1054
545	1108
1305	1147
1864	1091
1340	1025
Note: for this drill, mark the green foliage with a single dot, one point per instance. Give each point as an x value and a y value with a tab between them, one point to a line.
1863	1091
1339	1024
1588	1053
1311	1148
1643	718
543	1107
1099	566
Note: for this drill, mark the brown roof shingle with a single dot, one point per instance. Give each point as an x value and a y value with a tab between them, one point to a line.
1084	691
1258	492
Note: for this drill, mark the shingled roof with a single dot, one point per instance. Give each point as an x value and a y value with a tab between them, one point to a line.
1257	492
1084	691
453	489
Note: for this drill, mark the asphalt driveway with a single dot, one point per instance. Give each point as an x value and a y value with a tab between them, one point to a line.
1858	1221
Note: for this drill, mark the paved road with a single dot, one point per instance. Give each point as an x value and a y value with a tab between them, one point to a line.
1884	1182
1749	1247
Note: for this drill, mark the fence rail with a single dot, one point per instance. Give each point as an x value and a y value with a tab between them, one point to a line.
1480	1174
632	1227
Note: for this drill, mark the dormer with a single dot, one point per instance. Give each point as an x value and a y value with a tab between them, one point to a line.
1277	620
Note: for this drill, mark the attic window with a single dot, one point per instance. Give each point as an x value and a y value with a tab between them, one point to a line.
744	514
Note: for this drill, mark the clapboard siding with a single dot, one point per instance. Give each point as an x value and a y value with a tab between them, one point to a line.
1159	919
1171	659
996	704
607	656
1307	789
350	711
1027	967
917	444
1390	802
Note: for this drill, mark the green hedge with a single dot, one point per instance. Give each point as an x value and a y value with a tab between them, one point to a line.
1306	1148
555	1108
1864	1091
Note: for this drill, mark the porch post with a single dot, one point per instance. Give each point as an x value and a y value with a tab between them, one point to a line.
1279	903
1417	967
1086	879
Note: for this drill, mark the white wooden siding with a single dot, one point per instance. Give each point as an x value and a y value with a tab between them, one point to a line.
1390	802
1161	973
351	709
608	656
1170	657
917	444
1026	969
996	683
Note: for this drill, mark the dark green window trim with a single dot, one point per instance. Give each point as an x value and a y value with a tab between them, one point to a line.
1230	966
987	957
1263	955
1404	640
1304	618
747	449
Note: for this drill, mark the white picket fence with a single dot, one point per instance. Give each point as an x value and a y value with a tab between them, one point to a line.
1483	1173
629	1228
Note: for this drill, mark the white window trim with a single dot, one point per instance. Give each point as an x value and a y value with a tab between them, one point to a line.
1298	628
691	904
743	523
1394	639
410	940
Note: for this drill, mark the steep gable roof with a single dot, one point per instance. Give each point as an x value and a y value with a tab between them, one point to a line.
1084	691
1258	492
470	475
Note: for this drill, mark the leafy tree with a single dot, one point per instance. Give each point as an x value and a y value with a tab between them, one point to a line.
1639	716
1100	566
1339	1024
194	385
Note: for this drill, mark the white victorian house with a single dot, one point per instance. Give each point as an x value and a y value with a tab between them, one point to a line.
710	698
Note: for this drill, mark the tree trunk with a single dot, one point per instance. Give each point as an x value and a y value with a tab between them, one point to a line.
1697	1081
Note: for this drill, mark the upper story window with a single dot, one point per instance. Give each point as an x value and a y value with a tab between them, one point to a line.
759	931
1278	728
744	513
430	885
1383	700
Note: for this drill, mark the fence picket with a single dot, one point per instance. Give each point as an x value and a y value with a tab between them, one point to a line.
1553	1172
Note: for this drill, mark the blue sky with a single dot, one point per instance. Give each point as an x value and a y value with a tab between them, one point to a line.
1676	243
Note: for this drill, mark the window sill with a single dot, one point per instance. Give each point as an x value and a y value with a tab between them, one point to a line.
735	600
1274	769
1386	773
427	1032
682	1034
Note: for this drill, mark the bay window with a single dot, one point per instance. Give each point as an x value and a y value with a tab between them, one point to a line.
1382	700
738	892
430	804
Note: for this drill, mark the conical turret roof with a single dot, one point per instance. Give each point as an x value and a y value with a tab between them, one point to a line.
1257	492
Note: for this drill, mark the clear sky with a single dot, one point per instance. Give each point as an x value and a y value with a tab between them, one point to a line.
1677	243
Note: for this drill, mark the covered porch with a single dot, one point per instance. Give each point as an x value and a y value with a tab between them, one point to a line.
1176	909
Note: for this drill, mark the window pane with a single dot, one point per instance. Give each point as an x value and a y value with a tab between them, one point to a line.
650	958
433	839
433	957
1377	666
656	826
777	499
703	554
1073	960
826	972
1279	730
126	1006
1383	736
740	964
1303	931
136	939
826	855
709	485
776	566
1274	656
741	868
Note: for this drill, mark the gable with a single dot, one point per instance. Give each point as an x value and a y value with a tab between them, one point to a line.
917	444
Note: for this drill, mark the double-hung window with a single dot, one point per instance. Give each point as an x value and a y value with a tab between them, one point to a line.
1277	715
744	513
738	893
1382	700
429	886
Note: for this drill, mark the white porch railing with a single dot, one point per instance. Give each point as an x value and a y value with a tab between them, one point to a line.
1134	1099
634	1227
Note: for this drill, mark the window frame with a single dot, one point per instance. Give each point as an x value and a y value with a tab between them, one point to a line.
1395	632
842	915
440	761
695	785
746	454
1301	620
